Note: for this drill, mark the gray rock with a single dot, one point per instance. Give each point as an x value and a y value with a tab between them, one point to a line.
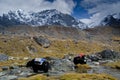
3	73
108	54
62	65
93	57
9	77
15	71
32	49
3	57
25	74
44	42
4	68
104	55
14	67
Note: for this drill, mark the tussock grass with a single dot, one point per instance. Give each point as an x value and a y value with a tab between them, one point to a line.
82	68
35	77
13	62
17	46
114	65
74	76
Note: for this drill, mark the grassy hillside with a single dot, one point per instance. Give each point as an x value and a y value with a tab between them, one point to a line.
19	42
26	46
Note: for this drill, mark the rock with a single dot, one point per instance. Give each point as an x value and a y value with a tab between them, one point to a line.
69	56
104	55
3	57
14	67
44	42
4	68
62	65
31	49
11	58
96	63
109	54
94	57
3	73
105	61
15	71
9	77
26	58
25	74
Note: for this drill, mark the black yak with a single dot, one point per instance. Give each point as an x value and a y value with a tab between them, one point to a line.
80	59
39	64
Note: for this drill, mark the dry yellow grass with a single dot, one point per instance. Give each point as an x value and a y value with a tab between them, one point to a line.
116	38
82	68
17	46
13	62
115	65
0	69
35	77
74	76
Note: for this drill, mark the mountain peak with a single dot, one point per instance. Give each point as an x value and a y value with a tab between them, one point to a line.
46	17
111	20
51	11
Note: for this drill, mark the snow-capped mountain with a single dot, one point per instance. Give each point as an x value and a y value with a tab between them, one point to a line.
46	17
111	20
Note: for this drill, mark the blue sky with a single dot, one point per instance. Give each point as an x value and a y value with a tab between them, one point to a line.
79	11
75	9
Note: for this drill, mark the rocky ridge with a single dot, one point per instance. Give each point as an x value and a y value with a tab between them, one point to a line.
46	17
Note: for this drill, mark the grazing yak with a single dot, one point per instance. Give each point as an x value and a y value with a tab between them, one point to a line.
39	64
80	59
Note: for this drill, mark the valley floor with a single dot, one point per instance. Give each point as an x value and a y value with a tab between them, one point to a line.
22	49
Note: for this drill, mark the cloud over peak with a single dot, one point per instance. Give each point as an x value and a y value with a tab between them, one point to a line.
64	6
99	9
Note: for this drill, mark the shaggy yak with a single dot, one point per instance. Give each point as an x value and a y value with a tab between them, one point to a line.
39	64
80	59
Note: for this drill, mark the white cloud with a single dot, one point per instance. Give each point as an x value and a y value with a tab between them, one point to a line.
86	21
100	9
65	6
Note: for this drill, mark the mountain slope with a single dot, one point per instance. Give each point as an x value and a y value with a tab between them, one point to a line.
47	17
111	20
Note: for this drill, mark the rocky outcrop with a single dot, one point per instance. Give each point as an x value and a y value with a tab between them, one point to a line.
44	42
62	65
105	55
14	72
109	54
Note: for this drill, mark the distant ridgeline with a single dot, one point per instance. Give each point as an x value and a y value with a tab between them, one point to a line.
47	17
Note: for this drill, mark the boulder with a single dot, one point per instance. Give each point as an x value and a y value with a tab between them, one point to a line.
3	57
44	42
93	57
4	68
104	55
62	65
109	54
14	67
